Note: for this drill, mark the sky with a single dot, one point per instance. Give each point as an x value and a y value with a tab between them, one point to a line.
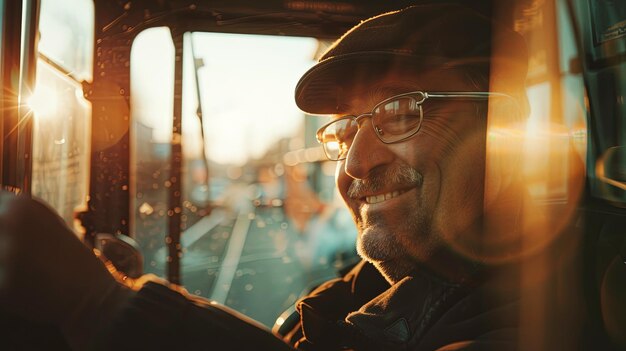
246	88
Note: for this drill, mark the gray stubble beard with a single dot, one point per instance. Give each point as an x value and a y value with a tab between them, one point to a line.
395	256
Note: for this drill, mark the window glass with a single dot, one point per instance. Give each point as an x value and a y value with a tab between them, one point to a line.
61	128
60	141
573	97
605	47
152	104
262	222
67	30
556	130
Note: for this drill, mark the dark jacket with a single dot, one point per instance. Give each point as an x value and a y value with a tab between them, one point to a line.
361	311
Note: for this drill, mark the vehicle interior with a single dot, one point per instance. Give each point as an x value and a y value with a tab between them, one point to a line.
165	133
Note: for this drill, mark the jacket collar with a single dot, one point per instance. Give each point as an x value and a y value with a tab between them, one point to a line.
400	316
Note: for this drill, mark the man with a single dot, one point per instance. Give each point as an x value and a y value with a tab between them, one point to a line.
410	91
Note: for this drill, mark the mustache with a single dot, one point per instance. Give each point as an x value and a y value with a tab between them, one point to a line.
399	176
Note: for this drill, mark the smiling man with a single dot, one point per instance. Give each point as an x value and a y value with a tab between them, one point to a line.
409	94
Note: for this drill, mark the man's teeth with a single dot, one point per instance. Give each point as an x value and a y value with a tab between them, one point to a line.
380	198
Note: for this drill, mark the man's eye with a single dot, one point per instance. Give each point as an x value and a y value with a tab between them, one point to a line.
400	123
346	134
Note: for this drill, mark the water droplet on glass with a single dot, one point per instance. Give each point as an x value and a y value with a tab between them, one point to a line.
146	209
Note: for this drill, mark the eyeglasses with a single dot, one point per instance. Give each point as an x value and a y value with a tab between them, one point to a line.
394	119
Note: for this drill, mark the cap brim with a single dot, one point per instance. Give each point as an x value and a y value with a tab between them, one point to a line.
322	87
319	89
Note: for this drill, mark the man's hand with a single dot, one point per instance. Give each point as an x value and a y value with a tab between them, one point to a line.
47	275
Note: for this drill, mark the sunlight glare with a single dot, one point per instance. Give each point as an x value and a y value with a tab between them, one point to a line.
43	102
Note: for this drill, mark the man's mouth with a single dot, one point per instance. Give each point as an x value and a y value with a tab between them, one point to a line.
374	199
384	185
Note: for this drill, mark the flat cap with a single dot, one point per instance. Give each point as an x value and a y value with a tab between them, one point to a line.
415	38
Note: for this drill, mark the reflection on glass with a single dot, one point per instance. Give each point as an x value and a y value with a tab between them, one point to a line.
611	171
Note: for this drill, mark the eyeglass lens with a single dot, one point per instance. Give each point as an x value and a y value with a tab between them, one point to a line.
392	121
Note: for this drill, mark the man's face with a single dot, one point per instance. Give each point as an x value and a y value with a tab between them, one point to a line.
414	198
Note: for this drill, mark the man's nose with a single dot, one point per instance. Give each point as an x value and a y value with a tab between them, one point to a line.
366	152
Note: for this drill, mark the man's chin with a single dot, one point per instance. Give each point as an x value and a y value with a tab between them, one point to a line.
375	245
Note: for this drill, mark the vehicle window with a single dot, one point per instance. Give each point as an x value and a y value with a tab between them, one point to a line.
556	131
261	220
62	115
604	47
66	28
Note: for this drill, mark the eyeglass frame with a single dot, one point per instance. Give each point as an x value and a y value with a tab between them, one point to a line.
470	95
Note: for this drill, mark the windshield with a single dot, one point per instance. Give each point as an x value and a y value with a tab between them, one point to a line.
261	221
